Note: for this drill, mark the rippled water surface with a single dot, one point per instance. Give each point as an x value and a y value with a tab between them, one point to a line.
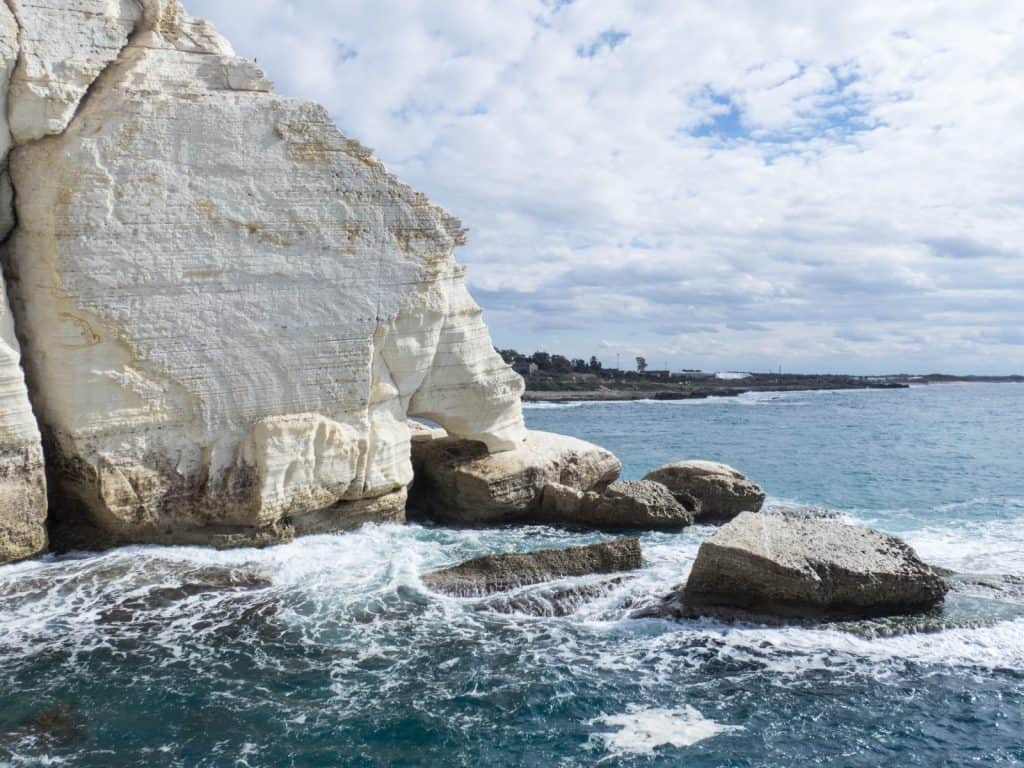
329	651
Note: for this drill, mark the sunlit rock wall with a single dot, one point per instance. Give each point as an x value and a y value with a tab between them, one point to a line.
22	478
227	308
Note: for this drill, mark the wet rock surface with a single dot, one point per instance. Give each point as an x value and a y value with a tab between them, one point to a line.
498	573
554	600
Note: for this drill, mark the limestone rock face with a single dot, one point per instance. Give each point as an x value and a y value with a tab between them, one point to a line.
497	573
767	567
627	504
722	492
65	45
228	310
22	473
22	477
459	482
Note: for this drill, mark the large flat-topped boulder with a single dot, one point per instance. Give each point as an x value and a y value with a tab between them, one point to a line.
497	573
720	491
624	505
227	309
459	482
766	567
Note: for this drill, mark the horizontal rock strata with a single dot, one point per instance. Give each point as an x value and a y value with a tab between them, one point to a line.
764	567
22	474
498	573
227	309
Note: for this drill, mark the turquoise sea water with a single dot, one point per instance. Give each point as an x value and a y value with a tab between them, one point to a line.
329	651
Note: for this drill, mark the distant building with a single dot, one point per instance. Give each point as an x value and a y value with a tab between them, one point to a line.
525	367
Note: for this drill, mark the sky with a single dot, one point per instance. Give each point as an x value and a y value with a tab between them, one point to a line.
718	184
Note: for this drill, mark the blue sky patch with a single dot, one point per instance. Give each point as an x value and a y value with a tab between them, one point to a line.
608	40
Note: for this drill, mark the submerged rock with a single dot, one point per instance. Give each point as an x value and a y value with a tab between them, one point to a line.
555	600
61	724
154	606
722	492
624	505
498	573
761	567
458	481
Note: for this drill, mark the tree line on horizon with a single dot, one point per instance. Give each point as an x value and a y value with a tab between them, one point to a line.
553	363
560	363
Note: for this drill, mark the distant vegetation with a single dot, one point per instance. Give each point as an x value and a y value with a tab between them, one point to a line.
550	373
552	363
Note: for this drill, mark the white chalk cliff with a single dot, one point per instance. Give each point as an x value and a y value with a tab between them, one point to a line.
226	308
22	476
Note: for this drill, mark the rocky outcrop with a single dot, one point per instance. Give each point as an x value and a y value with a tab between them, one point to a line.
764	567
22	476
498	573
721	491
624	505
459	482
227	309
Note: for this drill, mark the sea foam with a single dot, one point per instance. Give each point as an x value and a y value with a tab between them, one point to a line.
642	731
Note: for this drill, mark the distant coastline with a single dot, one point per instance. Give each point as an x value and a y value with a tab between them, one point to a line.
629	385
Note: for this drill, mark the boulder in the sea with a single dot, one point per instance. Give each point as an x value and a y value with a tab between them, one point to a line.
498	573
770	568
722	491
459	482
626	504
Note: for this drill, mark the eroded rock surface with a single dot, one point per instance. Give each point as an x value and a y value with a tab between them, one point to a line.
22	474
65	45
721	491
627	504
227	309
498	573
766	567
459	482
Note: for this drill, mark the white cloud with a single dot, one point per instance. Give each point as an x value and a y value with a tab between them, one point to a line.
721	184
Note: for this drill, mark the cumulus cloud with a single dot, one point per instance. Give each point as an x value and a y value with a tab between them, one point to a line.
725	185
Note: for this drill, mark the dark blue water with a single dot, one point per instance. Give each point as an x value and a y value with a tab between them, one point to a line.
329	652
